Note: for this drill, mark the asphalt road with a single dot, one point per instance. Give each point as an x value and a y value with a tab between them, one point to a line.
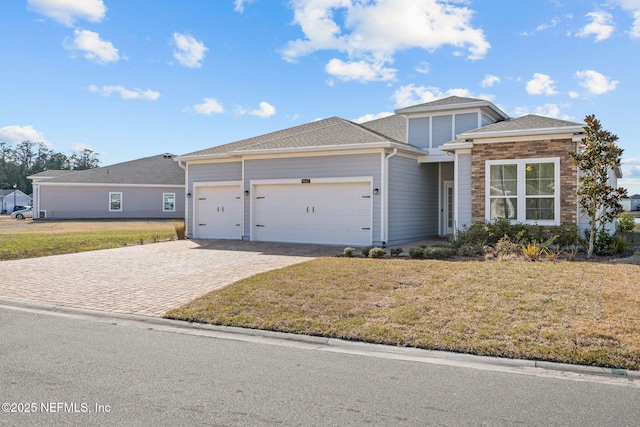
75	370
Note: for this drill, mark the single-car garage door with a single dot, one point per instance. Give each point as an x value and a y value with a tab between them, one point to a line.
329	213
218	212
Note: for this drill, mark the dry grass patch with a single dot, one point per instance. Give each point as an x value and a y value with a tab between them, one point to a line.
583	313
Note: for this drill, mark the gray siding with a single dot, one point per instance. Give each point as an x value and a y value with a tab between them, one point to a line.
413	200
466	122
316	167
442	130
486	120
463	181
91	202
419	132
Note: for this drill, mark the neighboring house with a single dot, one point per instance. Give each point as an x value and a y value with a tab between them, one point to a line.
151	187
428	170
11	198
632	203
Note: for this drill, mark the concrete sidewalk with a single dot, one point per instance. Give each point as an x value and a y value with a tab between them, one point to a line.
146	279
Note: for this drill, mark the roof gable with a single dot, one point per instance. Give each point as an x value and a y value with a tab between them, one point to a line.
530	122
156	170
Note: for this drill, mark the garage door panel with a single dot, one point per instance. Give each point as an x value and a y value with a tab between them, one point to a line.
338	213
219	213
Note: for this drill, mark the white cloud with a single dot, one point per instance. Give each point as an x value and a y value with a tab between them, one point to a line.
596	83
359	70
372	32
94	48
67	11
542	27
541	84
490	80
125	93
411	94
17	134
423	68
369	117
573	94
208	107
632	6
189	51
239	5
601	26
264	111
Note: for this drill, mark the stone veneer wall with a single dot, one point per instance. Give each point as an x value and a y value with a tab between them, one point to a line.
523	150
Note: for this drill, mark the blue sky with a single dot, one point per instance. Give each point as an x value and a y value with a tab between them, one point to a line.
135	78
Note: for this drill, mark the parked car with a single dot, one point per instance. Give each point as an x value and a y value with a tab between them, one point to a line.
17	208
22	214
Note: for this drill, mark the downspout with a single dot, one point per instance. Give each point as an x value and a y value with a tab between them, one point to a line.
186	190
384	208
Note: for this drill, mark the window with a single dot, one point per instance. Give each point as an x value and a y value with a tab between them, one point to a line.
169	202
525	190
115	202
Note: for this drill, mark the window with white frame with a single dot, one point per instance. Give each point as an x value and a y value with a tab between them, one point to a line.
524	190
168	202
115	202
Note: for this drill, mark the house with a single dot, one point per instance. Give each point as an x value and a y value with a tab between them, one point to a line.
428	170
632	203
11	198
151	187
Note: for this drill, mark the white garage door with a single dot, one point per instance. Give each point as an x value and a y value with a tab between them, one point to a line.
329	213
218	213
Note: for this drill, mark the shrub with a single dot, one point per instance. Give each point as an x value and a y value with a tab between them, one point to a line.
377	253
626	222
505	248
533	251
438	253
618	245
471	250
348	252
395	252
365	251
416	252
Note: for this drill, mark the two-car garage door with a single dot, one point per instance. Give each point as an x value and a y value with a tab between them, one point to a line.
316	212
329	213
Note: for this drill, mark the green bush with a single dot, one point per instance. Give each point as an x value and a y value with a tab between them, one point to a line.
395	252
365	251
377	253
471	250
490	233
416	252
438	253
618	245
626	222
348	252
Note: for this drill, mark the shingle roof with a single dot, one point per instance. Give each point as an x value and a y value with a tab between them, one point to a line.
156	170
451	100
394	126
52	173
326	132
529	122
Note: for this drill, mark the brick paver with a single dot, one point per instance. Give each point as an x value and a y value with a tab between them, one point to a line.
148	279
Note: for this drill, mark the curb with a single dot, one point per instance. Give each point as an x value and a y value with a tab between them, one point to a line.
331	344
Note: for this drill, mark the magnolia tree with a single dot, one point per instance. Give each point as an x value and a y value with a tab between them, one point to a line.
597	159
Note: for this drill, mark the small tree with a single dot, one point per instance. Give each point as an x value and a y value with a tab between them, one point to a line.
596	160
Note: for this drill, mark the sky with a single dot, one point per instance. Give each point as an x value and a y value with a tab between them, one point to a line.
136	78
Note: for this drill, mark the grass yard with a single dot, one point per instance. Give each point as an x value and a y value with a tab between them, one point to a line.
30	239
575	312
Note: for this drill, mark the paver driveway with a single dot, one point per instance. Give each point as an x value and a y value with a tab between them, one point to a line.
148	279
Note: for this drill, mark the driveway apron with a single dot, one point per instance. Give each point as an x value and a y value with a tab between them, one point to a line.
146	279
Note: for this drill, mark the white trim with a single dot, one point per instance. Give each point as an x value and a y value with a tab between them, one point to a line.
445	209
111	201
456	197
521	186
215	183
567	130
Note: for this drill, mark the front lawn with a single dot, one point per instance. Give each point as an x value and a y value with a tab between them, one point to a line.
30	239
575	312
